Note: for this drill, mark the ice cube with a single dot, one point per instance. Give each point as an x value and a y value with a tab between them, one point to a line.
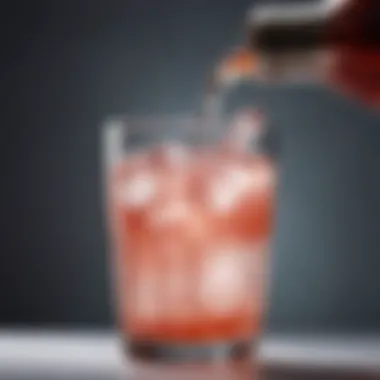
222	197
240	178
139	189
227	189
223	279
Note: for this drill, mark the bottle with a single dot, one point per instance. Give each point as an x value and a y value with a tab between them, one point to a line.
333	41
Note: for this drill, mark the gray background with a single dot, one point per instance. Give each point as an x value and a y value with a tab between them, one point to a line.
66	65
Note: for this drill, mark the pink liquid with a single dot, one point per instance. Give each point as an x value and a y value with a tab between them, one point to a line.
191	229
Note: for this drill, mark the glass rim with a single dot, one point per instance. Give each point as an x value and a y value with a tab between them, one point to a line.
178	125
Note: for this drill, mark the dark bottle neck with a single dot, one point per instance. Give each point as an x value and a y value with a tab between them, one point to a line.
278	28
282	27
299	41
290	40
277	38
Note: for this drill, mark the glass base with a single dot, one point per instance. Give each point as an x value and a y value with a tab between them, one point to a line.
189	354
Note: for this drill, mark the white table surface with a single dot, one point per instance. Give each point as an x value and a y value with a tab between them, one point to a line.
101	351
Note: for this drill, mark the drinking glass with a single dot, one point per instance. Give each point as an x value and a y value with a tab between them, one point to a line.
189	214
